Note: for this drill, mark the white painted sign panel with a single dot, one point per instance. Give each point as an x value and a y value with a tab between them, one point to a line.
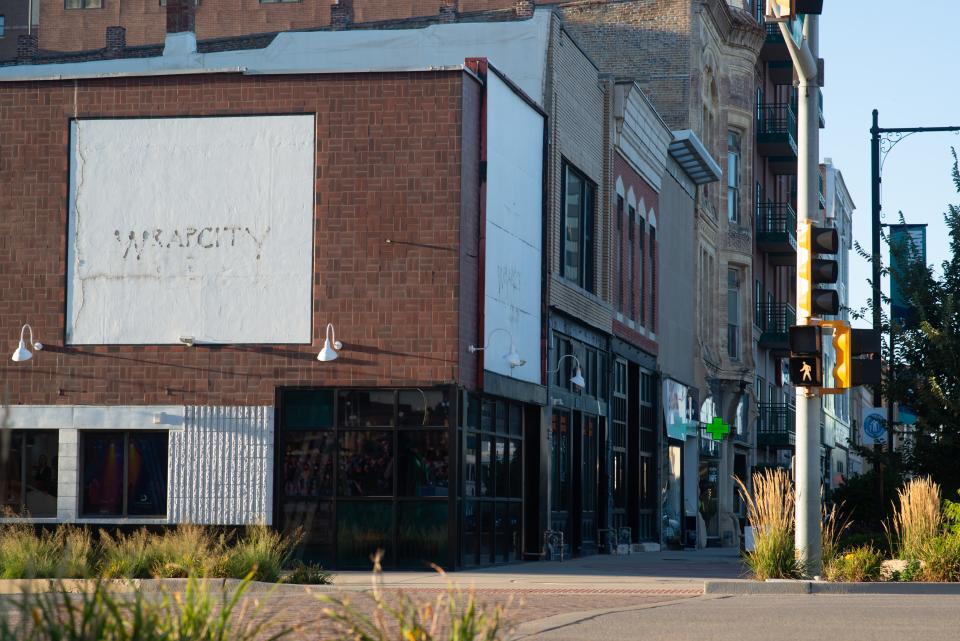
514	215
191	227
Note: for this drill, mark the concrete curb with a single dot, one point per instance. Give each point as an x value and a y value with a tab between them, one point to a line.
745	588
126	586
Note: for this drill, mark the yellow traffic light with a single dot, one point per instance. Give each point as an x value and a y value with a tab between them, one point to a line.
843	370
804	258
780	10
812	271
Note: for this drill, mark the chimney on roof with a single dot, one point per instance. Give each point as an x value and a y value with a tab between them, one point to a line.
181	16
181	22
341	14
26	48
524	8
116	41
448	11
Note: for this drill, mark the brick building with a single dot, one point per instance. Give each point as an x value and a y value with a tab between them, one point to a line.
182	305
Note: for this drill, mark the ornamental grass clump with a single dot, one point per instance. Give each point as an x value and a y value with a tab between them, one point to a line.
26	554
916	518
262	551
197	614
940	558
187	550
833	525
770	514
859	564
454	615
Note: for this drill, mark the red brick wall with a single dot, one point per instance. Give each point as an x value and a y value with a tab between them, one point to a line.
642	278
388	167
83	29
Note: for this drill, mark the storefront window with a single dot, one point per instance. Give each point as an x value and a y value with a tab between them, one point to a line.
424	470
422	532
124	473
366	408
366	464
419	408
30	474
308	463
363	527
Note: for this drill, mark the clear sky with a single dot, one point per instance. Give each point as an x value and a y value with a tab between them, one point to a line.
892	56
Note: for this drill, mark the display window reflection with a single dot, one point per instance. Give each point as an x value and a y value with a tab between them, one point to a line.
367	408
29	474
124	474
423	408
308	463
366	463
424	464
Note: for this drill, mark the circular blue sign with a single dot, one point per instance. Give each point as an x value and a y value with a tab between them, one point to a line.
874	426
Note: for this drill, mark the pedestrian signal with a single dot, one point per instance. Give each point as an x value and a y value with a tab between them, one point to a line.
806	363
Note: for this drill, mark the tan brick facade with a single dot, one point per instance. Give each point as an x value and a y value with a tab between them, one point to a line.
390	148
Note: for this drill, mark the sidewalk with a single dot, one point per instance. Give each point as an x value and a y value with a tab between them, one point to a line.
645	572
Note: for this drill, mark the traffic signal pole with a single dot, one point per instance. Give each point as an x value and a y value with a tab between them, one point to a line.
807	470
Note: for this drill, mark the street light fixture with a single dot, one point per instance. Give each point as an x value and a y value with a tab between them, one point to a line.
330	346
577	378
512	357
22	354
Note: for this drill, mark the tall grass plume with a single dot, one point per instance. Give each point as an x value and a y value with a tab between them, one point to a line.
770	514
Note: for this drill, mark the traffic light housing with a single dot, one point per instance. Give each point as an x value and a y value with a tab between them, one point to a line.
780	10
849	344
813	271
806	360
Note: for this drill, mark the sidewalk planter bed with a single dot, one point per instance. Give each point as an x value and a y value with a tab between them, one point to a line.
71	552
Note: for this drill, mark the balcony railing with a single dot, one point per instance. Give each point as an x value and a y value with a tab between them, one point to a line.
777	136
708	446
774	320
777	425
777	232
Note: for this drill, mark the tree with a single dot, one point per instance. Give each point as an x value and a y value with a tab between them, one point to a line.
926	372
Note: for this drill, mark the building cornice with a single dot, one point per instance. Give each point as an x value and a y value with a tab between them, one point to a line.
737	27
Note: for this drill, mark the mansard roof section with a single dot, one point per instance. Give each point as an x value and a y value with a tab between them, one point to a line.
694	158
641	136
517	48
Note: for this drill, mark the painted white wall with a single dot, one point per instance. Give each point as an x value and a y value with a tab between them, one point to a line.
197	227
514	230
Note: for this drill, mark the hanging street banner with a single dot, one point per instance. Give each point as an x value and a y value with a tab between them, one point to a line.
910	242
873	427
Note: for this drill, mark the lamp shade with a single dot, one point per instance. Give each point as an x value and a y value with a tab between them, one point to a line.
21	353
327	353
578	379
513	357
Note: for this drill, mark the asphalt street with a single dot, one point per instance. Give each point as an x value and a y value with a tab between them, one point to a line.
763	618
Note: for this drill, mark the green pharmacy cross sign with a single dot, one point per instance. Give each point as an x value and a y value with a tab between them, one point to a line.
718	429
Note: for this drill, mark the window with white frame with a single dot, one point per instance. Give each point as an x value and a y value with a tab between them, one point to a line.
733	177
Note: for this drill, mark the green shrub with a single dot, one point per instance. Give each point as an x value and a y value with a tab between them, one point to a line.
307	574
940	556
912	572
262	551
857	565
67	552
99	615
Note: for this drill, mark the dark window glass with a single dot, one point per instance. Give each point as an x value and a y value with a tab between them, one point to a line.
102	474
516	530
501	417
576	260
473	412
516	471
363	527
486	533
3	26
424	463
471	532
366	463
502	485
470	470
366	408
618	262
30	473
307	409
12	475
560	444
422	533
489	414
516	420
147	474
503	534
423	408
486	471
308	464
315	520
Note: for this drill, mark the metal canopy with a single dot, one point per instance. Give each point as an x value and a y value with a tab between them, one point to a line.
694	158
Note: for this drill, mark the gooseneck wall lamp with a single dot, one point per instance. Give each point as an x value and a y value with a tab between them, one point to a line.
512	357
330	346
577	378
22	353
